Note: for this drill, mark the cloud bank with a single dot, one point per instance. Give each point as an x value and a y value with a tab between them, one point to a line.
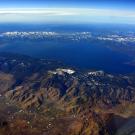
66	14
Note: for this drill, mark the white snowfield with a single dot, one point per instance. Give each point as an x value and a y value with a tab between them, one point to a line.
37	35
117	38
60	71
96	73
28	33
74	36
69	71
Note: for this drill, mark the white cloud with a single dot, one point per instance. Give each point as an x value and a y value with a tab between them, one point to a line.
47	11
28	14
70	11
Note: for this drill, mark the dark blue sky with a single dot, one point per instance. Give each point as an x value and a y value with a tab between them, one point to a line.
69	3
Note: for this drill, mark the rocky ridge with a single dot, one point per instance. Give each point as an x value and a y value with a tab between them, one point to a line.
92	100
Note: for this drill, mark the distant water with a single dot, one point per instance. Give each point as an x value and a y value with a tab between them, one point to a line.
80	54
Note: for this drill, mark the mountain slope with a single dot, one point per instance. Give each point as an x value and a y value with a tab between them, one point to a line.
87	102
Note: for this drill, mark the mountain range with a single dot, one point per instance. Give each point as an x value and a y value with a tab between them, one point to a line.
45	97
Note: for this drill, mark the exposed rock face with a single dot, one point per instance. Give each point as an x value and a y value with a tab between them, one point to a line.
91	97
73	89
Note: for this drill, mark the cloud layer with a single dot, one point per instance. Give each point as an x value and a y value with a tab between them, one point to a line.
66	14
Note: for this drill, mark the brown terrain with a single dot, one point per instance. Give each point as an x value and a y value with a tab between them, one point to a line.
38	99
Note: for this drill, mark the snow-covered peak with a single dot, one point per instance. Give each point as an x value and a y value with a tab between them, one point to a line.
60	71
96	73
